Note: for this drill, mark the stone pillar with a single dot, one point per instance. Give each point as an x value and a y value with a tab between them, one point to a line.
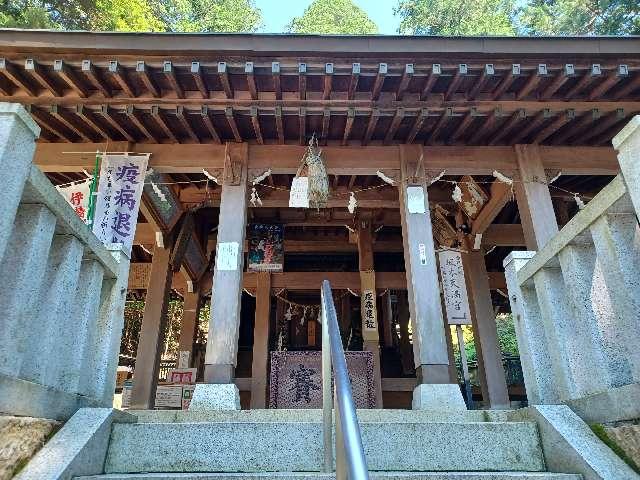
370	335
434	389
145	376
533	198
188	327
259	367
18	133
535	351
492	377
224	324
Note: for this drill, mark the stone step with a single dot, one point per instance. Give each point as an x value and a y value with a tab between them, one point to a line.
321	476
297	447
315	415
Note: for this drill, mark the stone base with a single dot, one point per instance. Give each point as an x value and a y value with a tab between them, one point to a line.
434	396
215	396
613	405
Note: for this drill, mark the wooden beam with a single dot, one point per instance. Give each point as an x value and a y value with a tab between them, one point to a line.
11	72
87	117
629	88
206	119
504	235
561	77
120	76
105	111
537	120
442	121
486	128
279	125
223	75
603	125
353	81
149	83
198	78
500	194
609	82
184	123
554	126
159	117
351	115
585	80
68	75
506	81
251	80
45	123
379	81
38	72
136	118
462	126
532	82
404	80
228	112
326	119
256	125
417	125
302	126
455	82
60	116
328	79
395	124
302	81
577	127
371	126
275	75
170	74
506	128
92	74
487	72
431	80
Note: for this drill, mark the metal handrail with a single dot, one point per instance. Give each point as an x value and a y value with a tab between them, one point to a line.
350	460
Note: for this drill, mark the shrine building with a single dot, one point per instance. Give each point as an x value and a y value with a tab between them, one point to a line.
448	162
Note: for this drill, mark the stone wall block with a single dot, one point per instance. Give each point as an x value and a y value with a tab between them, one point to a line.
617	241
578	266
82	322
53	310
29	244
556	323
532	342
18	133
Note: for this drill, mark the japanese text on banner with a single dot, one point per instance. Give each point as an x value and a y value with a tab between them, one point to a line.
455	289
119	193
78	197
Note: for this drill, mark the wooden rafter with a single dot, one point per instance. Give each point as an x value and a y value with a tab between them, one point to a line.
554	126
279	125
302	126
608	83
487	72
275	75
577	127
46	124
251	80
256	125
353	81
61	117
14	76
88	118
160	118
223	75
486	128
417	125
431	80
371	126
532	82
136	118
560	79
602	125
455	82
326	119
145	77
463	125
499	196
404	80
68	75
120	76
170	74
629	88
302	81
228	112
585	80
38	73
198	78
506	81
184	123
94	77
442	121
206	119
379	81
393	128
351	115
537	120
105	111
505	129
328	80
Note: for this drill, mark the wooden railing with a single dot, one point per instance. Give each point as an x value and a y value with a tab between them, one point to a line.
576	302
62	292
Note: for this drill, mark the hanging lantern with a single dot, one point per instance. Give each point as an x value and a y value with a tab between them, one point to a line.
318	192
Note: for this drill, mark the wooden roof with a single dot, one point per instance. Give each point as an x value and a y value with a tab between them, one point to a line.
211	88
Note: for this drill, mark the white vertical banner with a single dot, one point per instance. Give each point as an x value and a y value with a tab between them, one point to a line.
77	194
119	196
454	288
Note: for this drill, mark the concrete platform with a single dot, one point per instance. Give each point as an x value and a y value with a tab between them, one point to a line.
315	415
297	447
322	476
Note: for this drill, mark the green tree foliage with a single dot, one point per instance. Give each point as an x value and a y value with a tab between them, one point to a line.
210	15
333	17
455	17
581	17
133	15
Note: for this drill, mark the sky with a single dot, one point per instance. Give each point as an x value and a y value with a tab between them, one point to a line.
278	13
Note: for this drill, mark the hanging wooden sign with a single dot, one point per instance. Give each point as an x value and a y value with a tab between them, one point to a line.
266	248
473	197
299	195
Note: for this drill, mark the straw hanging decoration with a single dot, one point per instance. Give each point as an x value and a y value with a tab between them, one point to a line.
316	172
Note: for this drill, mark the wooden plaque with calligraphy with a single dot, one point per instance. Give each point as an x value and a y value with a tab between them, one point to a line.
473	197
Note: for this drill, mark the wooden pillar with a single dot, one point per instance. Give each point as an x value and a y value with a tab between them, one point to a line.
534	200
406	351
370	333
224	324
429	344
492	377
145	379
387	319
188	328
260	363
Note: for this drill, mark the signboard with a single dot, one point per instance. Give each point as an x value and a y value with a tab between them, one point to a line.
299	195
183	358
187	395
473	197
169	396
182	375
77	195
227	257
415	199
454	288
266	248
119	192
368	303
